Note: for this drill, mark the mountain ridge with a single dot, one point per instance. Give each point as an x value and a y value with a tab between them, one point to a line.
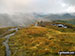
22	19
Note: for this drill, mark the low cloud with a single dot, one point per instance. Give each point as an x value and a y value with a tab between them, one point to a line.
40	6
69	2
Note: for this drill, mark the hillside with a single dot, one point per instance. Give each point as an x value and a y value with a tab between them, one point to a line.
3	33
42	41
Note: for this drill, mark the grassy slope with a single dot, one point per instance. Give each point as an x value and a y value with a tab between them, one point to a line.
42	41
3	32
2	48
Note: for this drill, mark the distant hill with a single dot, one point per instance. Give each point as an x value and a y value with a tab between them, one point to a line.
56	16
70	21
22	19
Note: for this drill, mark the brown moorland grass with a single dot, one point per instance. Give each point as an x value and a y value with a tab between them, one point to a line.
41	41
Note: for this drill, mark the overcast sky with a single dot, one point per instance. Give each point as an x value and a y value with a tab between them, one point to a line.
39	6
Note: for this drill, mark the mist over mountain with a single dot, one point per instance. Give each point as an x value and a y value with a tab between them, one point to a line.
16	20
58	16
22	19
